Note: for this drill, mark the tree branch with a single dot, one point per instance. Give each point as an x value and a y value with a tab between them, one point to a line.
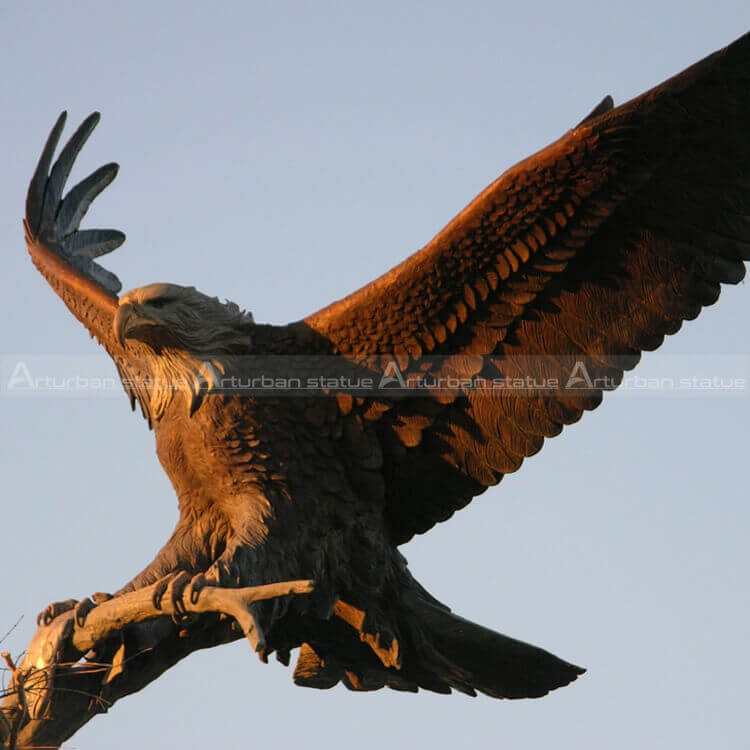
128	642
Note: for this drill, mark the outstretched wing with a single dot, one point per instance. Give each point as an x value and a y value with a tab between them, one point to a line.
588	252
62	253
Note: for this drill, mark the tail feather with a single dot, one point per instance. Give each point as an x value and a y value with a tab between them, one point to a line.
481	659
441	652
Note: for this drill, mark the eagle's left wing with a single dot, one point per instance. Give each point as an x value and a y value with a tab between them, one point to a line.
581	256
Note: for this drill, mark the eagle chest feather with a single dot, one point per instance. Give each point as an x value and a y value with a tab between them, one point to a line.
199	453
278	472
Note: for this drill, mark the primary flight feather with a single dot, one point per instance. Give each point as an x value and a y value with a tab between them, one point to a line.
506	327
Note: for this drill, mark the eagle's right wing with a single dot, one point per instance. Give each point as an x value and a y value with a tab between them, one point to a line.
62	253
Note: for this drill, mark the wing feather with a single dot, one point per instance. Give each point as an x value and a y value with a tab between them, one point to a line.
585	254
61	253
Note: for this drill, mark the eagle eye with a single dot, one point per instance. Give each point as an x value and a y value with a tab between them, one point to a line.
158	303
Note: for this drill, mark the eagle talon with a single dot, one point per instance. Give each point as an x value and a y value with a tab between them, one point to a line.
81	611
174	587
54	610
160	589
196	585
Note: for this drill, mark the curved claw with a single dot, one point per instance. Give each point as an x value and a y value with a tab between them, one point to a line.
55	609
80	608
54	220
81	611
196	585
160	590
173	586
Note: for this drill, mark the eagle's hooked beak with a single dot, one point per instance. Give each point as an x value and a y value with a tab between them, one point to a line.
125	317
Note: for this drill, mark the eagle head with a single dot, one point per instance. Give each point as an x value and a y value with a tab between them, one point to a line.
170	316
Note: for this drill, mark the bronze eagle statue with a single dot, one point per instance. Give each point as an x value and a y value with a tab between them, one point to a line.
389	410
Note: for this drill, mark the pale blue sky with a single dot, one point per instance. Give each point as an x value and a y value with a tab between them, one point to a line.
281	155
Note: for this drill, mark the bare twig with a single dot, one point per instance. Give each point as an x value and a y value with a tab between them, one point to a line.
12	628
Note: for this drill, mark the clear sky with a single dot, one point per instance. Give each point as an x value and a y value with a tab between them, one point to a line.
281	155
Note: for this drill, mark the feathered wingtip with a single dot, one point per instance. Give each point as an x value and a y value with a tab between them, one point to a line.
54	220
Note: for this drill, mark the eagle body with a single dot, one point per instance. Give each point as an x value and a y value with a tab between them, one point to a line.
279	490
273	489
505	328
